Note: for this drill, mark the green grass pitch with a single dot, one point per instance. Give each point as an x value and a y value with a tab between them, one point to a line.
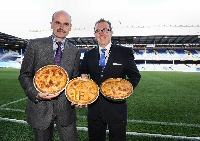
164	103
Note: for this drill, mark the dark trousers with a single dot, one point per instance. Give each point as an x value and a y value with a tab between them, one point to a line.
97	130
67	133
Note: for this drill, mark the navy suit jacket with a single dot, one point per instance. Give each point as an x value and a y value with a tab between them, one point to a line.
39	53
119	65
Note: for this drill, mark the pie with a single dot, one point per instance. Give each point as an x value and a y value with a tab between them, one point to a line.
82	91
50	79
116	88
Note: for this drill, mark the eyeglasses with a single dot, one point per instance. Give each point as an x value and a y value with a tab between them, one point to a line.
105	30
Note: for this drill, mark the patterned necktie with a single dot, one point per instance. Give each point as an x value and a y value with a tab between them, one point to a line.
103	59
58	55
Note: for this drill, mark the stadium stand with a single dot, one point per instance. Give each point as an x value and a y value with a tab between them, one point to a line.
152	53
181	59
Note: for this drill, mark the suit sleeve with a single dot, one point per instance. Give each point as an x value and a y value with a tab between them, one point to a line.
27	73
131	69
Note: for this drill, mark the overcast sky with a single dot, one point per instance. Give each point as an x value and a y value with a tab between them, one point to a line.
18	16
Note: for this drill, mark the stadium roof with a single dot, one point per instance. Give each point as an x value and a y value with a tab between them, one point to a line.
141	40
12	42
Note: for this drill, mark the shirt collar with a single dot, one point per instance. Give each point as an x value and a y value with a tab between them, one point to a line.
107	47
55	46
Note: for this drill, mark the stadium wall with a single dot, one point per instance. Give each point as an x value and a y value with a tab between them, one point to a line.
146	60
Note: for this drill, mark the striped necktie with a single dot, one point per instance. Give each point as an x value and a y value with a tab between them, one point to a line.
58	55
103	58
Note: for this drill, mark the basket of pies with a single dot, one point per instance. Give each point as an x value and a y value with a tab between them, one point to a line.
116	89
50	79
82	91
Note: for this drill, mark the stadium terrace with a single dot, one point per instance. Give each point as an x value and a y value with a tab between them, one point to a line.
156	48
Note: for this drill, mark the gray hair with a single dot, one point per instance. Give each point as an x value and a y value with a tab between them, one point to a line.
102	20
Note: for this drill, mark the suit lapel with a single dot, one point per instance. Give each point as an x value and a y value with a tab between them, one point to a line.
96	57
66	54
110	58
48	48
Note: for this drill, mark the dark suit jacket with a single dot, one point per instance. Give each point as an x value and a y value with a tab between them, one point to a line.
120	63
39	53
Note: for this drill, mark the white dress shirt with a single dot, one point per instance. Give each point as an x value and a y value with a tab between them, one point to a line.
107	51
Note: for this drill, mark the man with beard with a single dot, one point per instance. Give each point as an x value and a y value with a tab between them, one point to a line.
44	108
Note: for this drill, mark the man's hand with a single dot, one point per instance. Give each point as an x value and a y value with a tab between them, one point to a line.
77	105
46	96
84	76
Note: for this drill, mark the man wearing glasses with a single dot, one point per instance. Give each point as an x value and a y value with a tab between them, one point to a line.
102	62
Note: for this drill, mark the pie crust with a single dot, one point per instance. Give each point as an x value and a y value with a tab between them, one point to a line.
50	79
116	88
82	91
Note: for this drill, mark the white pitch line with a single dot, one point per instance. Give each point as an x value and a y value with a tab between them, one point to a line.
128	133
130	121
13	120
12	102
15	110
165	123
162	136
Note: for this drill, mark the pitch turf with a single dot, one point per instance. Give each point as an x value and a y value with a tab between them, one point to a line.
164	103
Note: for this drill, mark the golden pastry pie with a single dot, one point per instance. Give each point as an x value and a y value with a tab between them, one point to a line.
82	91
116	88
50	79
